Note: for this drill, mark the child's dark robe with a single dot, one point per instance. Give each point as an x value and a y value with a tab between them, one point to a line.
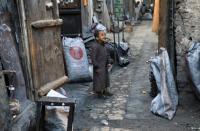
100	59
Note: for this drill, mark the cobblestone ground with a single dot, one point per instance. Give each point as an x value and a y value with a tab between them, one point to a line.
129	108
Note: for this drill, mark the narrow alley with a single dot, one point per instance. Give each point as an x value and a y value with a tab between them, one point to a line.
129	108
100	65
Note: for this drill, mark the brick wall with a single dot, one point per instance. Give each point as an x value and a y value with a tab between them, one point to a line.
187	28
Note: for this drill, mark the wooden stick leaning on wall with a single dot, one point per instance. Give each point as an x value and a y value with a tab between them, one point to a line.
52	85
155	25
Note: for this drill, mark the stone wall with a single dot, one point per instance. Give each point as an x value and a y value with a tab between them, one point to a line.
187	28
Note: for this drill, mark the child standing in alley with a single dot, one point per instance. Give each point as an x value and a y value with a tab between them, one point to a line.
101	61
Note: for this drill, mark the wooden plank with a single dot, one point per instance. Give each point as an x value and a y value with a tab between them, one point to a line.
46	23
165	37
55	9
163	20
9	72
24	49
57	101
45	45
10	58
52	85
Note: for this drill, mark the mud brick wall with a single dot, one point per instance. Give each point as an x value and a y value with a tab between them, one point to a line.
187	28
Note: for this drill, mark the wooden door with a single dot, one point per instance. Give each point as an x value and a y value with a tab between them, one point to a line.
43	27
71	15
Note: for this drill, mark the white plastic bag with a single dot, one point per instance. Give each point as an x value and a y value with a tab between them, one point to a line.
76	60
166	101
193	62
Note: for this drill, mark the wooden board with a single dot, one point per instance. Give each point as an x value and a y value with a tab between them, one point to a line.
4	110
44	43
10	58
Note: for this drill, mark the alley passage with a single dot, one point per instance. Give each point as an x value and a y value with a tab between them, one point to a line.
129	108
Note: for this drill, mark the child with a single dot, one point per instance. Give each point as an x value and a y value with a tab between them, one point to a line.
101	62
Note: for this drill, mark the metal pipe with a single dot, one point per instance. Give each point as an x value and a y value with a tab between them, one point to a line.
123	39
114	32
118	31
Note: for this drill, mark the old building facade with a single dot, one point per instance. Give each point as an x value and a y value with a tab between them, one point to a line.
179	27
187	25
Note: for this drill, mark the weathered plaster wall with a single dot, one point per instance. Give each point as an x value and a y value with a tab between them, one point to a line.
187	28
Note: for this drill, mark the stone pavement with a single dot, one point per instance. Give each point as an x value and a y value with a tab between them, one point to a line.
129	108
138	105
129	83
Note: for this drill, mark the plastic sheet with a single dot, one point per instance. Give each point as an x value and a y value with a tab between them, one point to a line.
166	101
76	60
124	46
122	52
193	62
